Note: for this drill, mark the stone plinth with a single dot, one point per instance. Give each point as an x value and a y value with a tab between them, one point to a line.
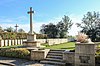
31	37
84	54
31	43
39	54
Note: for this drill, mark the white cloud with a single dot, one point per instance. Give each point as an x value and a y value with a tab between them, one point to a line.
26	27
36	25
75	19
74	29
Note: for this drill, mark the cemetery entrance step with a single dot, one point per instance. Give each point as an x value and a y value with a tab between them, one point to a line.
54	57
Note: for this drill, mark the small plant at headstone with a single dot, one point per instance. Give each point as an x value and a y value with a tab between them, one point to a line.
83	38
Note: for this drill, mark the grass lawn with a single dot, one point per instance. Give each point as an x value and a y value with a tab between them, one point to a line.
68	46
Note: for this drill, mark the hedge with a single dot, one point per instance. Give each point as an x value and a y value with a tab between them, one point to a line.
15	52
13	35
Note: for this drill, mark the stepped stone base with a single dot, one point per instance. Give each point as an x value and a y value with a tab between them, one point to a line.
31	43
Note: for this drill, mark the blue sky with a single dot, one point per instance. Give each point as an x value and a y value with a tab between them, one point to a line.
15	12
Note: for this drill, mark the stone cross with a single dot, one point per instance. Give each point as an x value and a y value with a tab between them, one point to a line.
16	27
31	24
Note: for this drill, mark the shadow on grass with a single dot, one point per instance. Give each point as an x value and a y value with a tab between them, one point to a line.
14	46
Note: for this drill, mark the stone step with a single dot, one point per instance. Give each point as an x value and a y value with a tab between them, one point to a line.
53	62
54	59
57	57
57	54
55	51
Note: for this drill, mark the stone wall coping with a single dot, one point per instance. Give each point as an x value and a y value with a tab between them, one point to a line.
85	53
67	52
41	50
32	48
38	50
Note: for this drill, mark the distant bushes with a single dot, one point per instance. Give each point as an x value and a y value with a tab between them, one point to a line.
17	52
13	35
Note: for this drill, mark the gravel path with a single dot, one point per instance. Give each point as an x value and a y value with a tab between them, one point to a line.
20	62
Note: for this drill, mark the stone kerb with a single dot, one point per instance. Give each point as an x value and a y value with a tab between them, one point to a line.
84	54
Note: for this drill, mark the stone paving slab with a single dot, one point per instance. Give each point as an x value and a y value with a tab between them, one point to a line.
21	62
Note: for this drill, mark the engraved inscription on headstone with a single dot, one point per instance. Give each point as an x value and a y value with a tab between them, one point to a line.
84	59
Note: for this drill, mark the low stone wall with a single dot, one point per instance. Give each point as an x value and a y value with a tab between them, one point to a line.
56	41
69	57
42	40
52	41
39	54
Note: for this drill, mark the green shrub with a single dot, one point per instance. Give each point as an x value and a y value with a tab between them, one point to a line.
15	52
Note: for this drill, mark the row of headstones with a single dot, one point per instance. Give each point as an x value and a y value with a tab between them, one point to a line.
11	42
52	41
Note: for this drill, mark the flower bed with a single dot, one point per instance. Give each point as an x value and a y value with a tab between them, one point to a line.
17	52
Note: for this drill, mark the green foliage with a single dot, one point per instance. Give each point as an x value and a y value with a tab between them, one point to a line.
41	36
57	31
17	53
91	25
63	26
12	35
97	58
50	29
1	30
9	29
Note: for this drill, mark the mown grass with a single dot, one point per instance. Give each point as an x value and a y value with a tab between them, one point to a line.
67	46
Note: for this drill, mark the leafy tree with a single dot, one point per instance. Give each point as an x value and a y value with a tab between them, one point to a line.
60	30
64	25
91	25
50	29
9	29
1	30
21	31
